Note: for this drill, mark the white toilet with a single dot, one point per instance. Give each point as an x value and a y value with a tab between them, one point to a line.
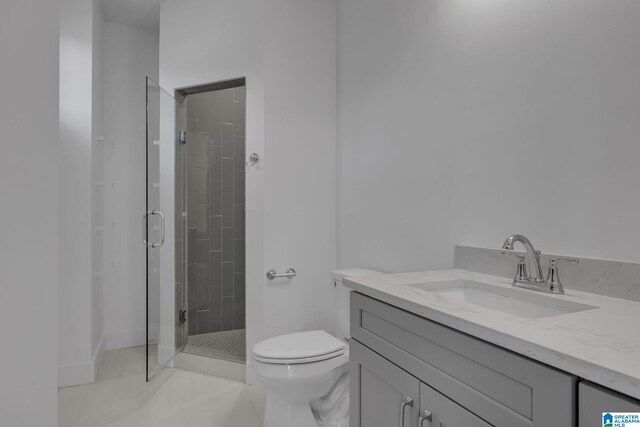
306	373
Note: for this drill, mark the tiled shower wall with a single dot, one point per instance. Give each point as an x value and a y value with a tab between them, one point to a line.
215	170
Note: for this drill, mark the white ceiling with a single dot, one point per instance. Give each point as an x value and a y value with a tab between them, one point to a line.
143	14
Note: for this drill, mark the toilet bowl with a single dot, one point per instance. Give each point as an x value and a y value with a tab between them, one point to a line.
306	373
297	369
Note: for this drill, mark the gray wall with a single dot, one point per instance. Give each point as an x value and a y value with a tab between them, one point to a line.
29	46
464	121
216	210
131	54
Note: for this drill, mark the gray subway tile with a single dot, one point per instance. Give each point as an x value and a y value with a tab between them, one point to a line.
215	197
215	326
192	126
240	94
192	286
227	140
227	244
216	100
227	314
239	288
192	322
203	185
192	173
239	317
203	151
238	255
203	222
215	163
192	210
227	279
239	153
203	113
227	106
227	175
227	209
203	257
238	222
192	107
203	322
203	293
192	240
192	144
216	127
215	267
239	187
215	296
215	233
216	134
238	118
216	118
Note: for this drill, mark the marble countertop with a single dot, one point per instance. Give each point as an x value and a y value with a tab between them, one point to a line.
601	345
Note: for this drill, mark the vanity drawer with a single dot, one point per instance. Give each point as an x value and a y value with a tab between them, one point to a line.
495	384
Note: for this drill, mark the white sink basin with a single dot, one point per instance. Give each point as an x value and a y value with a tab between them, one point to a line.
522	303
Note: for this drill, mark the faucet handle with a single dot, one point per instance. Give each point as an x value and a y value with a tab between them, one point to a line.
553	276
554	261
517	254
521	273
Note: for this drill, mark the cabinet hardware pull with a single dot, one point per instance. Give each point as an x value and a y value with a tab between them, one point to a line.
424	416
408	401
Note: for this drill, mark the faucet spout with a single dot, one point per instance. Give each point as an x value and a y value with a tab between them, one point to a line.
531	251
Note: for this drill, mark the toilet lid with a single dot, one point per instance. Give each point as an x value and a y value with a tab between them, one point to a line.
304	347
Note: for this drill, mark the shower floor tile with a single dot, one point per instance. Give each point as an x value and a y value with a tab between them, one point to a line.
226	345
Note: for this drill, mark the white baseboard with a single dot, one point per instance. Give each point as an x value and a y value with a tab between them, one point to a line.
75	374
84	372
125	339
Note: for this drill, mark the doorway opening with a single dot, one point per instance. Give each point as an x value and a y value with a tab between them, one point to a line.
212	178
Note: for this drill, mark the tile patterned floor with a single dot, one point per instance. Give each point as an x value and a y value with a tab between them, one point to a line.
227	345
121	398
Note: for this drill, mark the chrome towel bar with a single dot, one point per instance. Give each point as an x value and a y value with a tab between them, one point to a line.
290	274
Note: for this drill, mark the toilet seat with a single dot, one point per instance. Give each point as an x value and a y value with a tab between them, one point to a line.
298	348
318	358
291	373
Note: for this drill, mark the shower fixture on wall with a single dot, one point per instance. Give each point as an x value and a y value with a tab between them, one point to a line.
253	159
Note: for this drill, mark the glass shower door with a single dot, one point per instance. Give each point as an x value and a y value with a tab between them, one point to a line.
163	229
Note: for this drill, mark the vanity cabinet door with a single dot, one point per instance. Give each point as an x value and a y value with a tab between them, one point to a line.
382	394
593	400
444	412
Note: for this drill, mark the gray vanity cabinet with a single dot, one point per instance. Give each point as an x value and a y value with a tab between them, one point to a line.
594	400
466	382
390	397
386	394
444	412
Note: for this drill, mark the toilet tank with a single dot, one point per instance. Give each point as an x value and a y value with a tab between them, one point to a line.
341	297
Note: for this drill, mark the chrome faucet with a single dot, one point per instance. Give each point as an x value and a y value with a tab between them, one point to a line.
522	278
531	251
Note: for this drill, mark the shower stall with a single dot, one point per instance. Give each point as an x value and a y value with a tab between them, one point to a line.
215	219
195	200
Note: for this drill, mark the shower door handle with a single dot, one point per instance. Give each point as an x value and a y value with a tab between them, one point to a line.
145	224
